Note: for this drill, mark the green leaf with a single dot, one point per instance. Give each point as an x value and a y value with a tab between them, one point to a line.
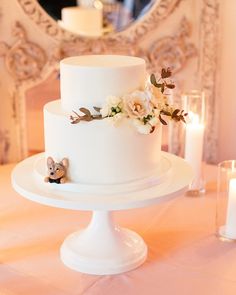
98	117
162	88
87	118
182	119
165	73
75	120
85	111
159	85
153	80
97	109
166	113
175	112
162	121
153	129
170	86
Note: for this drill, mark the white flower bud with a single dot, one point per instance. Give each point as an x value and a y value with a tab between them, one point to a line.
154	121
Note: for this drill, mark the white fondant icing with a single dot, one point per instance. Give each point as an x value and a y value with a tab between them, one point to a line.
86	81
98	152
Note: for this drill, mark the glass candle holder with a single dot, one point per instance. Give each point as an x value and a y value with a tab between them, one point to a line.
226	200
194	105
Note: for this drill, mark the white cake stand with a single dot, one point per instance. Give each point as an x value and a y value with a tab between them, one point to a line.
103	247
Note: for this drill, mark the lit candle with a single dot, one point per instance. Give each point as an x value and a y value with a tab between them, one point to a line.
230	227
194	146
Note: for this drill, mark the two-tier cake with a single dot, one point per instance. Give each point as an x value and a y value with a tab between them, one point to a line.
117	147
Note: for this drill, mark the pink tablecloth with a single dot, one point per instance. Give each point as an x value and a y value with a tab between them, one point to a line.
184	256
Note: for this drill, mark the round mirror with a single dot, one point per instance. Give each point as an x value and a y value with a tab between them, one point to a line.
95	18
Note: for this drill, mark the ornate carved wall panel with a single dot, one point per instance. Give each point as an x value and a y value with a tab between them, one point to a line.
24	60
172	51
150	22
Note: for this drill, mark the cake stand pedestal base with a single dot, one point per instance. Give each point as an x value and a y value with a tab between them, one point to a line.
103	247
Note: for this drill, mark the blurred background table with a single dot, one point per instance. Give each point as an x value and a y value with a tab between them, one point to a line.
184	257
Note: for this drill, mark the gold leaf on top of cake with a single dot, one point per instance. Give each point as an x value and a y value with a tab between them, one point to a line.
145	108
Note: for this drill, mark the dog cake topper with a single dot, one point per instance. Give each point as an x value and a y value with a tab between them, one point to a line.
56	171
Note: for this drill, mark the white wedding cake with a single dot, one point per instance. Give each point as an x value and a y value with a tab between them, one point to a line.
85	21
115	146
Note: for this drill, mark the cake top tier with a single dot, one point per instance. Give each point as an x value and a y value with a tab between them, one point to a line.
103	61
88	80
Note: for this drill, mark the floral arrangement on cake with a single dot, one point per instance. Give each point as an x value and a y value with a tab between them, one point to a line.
145	108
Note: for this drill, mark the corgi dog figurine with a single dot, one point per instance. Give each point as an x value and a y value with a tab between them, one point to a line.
56	171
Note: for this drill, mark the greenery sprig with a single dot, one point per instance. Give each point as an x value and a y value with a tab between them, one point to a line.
176	115
86	117
145	108
164	83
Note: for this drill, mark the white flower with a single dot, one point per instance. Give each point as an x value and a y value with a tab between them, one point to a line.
105	111
153	121
137	104
112	103
115	120
141	127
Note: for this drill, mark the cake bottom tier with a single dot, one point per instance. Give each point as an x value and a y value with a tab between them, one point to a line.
98	152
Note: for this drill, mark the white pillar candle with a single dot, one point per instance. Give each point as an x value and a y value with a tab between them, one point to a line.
194	146
230	227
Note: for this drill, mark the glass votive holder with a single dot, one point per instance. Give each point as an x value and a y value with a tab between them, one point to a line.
194	105
226	200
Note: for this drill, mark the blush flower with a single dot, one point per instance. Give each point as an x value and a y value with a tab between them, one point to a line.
137	104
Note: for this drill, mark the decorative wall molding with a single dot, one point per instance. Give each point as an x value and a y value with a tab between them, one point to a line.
172	50
24	59
36	13
161	10
70	44
208	67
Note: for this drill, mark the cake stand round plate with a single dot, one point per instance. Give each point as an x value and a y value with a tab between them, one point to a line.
24	183
103	247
